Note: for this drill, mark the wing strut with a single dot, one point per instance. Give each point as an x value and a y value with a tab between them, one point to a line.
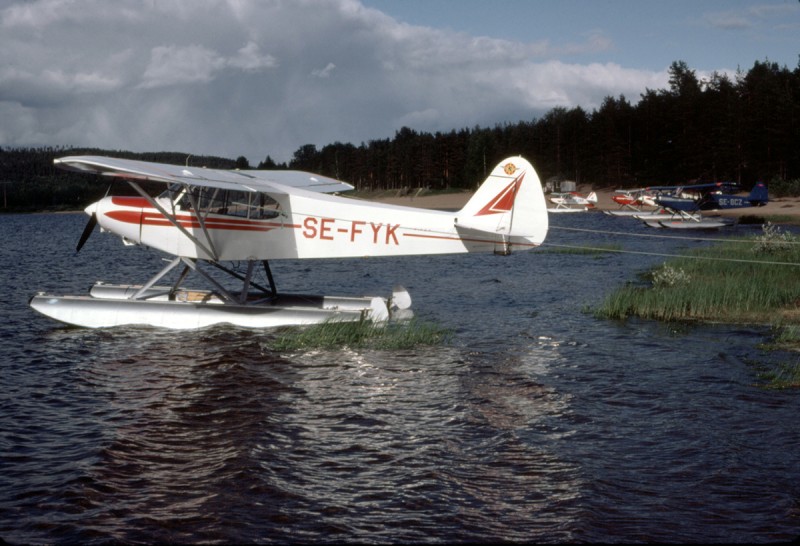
170	266
210	251
200	217
247	279
246	283
190	264
224	291
268	271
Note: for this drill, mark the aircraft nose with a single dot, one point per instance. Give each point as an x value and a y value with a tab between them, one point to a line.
91	210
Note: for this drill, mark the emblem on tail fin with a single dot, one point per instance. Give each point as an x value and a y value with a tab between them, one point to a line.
504	201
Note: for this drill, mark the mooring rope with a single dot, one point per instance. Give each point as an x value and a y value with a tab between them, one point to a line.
663	254
656	236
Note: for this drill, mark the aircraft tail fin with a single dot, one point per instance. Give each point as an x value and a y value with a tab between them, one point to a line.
759	195
510	203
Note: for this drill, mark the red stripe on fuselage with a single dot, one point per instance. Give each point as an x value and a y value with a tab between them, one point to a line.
133	202
189	221
126	216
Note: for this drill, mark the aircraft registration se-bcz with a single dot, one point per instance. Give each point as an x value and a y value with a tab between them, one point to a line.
206	217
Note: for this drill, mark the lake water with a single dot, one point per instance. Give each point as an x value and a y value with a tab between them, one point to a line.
536	423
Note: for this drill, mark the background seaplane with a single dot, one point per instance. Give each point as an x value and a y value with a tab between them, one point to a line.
572	201
685	203
206	217
632	202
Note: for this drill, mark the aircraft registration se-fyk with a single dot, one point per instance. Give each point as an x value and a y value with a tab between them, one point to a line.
207	217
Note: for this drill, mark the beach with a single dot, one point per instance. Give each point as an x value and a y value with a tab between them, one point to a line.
781	207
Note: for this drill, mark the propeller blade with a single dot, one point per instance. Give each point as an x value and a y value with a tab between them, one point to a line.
87	231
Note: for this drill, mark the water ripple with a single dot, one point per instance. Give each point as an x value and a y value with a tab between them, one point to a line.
537	423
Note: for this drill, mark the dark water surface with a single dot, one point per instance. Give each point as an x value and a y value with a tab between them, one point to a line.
537	423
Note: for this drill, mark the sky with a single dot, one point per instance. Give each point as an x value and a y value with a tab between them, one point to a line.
258	78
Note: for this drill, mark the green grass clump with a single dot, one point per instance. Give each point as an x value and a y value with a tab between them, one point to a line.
754	282
788	337
785	375
733	282
359	335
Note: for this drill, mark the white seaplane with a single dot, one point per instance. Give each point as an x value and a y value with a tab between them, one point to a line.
572	202
206	217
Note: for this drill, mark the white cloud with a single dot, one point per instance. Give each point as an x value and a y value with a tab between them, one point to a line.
51	87
38	15
250	59
325	72
232	77
728	20
171	65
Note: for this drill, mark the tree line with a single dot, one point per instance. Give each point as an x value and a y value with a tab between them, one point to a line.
745	129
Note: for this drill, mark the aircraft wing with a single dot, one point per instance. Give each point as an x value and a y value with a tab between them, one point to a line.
273	181
703	186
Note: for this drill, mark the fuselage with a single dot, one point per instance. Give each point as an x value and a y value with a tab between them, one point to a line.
325	227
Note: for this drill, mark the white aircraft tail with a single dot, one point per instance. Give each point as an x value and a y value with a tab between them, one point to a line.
509	203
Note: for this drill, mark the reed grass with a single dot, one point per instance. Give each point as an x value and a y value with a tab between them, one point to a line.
772	218
781	375
753	282
361	334
757	281
784	375
787	336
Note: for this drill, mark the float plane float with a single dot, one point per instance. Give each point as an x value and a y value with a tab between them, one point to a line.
207	218
681	207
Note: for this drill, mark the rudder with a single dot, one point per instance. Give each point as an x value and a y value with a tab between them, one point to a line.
510	202
759	195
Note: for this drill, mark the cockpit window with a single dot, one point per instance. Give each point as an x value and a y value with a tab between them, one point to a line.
242	204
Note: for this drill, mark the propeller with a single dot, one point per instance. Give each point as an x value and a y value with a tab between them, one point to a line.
87	231
91	210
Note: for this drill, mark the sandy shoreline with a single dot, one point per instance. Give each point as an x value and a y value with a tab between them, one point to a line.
785	206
